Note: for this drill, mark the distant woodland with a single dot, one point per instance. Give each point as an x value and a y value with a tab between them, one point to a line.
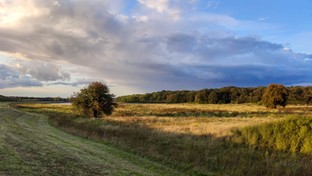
225	95
42	99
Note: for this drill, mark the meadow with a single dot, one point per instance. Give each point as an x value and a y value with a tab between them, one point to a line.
232	139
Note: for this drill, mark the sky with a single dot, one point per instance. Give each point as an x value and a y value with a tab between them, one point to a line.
56	47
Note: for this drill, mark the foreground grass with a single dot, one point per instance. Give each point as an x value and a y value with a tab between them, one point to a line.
30	146
169	133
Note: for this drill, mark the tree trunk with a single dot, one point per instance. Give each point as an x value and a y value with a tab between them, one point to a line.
95	113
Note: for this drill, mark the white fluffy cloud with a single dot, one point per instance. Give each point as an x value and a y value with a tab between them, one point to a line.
142	49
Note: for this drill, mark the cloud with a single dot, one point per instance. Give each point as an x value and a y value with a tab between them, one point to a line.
263	19
212	3
43	71
10	78
75	84
159	5
26	73
168	9
152	53
222	50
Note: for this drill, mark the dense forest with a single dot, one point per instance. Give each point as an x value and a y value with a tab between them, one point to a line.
225	95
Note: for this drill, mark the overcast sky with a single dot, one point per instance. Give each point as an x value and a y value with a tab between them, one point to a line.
56	47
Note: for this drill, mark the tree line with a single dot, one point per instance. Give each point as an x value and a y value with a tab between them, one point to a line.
225	95
95	100
27	99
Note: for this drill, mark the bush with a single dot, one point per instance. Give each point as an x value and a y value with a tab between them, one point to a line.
94	100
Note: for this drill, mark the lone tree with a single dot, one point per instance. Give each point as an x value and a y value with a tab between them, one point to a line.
275	94
94	100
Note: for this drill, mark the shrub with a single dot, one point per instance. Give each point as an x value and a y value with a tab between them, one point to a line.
94	100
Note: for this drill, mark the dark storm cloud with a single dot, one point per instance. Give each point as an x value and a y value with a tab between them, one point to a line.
250	75
204	46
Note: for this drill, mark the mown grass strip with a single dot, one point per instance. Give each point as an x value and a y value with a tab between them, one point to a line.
30	146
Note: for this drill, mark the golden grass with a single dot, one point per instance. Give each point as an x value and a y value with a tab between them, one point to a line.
154	116
215	126
198	107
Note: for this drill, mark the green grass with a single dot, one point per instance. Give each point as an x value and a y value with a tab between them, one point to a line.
291	135
143	130
30	146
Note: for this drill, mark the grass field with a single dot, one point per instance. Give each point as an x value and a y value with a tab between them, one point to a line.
243	139
30	146
194	119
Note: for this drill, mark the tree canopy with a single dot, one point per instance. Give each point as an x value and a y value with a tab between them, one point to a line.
275	94
225	95
94	100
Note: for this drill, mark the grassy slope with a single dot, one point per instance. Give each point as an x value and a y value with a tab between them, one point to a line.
132	128
30	146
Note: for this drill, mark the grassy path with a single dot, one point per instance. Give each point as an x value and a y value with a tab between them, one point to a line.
30	146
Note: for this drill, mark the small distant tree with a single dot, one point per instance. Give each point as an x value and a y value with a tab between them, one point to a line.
213	97
190	96
176	97
57	99
257	94
94	100
173	98
307	95
275	94
202	96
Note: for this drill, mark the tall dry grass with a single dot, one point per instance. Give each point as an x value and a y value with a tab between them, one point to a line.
189	136
215	126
